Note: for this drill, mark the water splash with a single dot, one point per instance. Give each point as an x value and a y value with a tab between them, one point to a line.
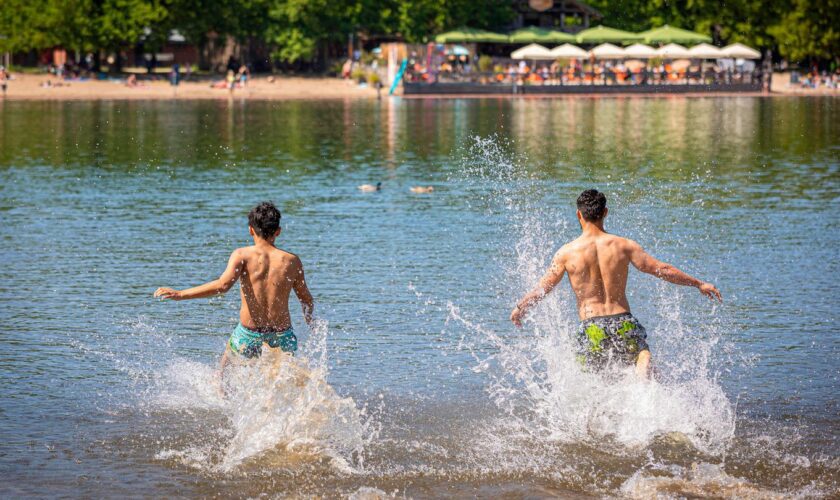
533	375
274	411
700	480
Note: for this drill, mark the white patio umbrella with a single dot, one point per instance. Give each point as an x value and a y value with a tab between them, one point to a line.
706	51
532	51
673	51
740	51
640	51
607	51
569	51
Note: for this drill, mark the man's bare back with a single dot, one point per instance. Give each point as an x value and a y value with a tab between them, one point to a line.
268	275
598	264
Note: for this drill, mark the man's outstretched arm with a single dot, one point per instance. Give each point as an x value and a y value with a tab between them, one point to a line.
215	287
303	295
646	263
547	283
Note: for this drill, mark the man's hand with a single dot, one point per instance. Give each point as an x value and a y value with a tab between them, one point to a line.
516	316
167	294
710	291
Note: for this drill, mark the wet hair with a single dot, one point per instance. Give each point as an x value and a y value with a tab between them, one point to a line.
592	205
265	219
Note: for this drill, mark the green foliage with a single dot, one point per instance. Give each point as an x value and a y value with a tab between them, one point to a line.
419	20
299	30
336	67
122	22
809	28
799	29
368	58
39	24
373	78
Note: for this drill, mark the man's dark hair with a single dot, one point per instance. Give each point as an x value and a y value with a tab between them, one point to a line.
265	219
592	205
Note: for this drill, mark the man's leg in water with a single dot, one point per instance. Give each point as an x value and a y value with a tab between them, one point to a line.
224	362
643	364
221	378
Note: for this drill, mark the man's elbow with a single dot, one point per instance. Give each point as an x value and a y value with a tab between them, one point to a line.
309	302
223	286
660	270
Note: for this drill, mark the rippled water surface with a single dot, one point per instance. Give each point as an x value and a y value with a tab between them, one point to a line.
414	382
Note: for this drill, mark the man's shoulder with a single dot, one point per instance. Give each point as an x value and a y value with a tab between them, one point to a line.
287	255
567	249
618	240
243	251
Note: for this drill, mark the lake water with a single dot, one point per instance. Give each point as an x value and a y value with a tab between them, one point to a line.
418	384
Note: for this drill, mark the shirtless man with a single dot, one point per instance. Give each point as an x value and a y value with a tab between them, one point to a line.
268	275
598	263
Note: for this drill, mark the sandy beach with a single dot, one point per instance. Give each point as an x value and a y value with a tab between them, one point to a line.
32	87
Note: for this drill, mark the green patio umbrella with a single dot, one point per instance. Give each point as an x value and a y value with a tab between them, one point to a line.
602	34
669	34
540	35
470	35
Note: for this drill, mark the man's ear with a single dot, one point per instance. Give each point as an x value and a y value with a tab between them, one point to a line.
606	213
579	215
277	233
251	231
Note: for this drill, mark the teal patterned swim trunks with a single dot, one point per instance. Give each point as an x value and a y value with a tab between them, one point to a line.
248	343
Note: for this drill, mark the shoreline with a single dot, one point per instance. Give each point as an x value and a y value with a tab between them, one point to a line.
29	87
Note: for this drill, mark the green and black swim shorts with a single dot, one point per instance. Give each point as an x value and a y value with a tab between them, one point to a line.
606	339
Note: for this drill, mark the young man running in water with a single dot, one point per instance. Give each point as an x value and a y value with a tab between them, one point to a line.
268	275
598	263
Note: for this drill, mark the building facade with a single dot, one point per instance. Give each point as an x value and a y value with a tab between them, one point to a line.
566	15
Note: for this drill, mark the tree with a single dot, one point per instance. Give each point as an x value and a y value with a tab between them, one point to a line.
124	22
419	20
40	24
809	29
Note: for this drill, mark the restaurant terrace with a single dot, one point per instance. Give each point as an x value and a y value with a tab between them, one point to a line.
599	59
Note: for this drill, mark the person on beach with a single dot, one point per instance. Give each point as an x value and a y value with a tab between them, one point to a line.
231	81
267	277
598	264
4	80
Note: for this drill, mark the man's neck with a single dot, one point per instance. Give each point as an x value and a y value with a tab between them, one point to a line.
592	228
260	242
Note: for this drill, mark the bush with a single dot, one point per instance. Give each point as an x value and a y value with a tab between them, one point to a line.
367	58
358	74
373	78
485	63
335	68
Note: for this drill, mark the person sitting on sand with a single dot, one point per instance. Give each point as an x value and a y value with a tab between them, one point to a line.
268	276
598	263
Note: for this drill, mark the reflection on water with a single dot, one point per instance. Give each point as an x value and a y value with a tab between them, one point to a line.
419	385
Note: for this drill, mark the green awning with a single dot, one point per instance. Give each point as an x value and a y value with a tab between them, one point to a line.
669	34
540	35
602	34
471	35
